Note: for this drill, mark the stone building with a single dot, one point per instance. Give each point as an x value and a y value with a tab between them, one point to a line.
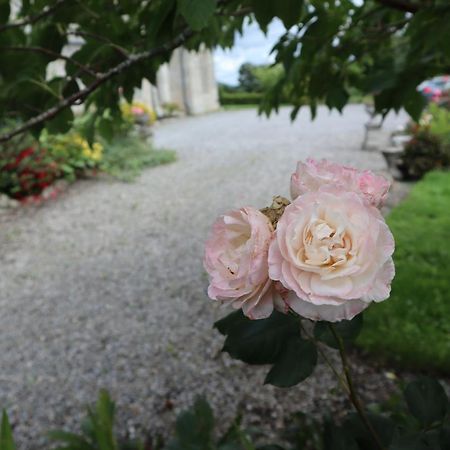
187	81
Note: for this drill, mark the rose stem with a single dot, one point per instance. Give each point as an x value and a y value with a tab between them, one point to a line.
326	359
353	396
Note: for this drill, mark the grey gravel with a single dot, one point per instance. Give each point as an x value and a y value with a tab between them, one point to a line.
104	286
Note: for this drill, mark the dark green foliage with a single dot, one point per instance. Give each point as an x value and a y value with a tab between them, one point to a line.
394	428
97	430
295	363
240	98
348	331
247	78
329	50
275	340
427	401
194	428
412	328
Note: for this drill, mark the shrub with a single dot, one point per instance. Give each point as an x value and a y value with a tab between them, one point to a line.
170	108
424	152
27	172
72	153
439	122
138	112
240	98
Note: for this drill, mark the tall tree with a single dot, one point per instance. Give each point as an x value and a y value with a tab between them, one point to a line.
380	47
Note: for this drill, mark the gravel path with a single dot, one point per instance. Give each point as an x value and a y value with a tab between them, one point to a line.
105	288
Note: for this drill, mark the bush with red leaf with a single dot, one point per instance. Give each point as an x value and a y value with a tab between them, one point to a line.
26	171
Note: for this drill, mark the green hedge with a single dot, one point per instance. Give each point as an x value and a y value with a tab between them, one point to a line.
240	98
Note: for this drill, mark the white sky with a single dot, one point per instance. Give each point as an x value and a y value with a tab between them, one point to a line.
253	46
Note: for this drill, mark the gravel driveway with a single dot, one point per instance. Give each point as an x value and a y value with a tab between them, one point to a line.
104	287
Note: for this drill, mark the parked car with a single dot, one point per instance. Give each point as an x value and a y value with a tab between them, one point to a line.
436	90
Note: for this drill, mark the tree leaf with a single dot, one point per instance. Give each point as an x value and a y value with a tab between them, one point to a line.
6	436
257	341
289	11
197	12
348	330
427	400
264	11
414	104
61	123
5	10
295	363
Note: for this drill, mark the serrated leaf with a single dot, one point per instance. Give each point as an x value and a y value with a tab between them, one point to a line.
6	436
337	97
257	341
295	363
289	11
348	330
414	104
264	11
61	123
197	12
426	400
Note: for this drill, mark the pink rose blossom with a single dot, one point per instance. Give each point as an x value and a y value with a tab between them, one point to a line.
333	252
312	175
236	261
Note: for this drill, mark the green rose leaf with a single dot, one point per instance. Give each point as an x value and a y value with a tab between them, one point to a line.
337	438
194	428
257	341
410	442
348	330
427	400
383	426
295	364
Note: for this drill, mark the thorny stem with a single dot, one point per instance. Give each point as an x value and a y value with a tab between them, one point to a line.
341	380
353	395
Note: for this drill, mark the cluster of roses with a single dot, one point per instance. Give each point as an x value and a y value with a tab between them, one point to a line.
326	256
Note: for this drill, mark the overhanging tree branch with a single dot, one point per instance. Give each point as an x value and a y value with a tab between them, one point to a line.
400	5
56	55
33	19
101	79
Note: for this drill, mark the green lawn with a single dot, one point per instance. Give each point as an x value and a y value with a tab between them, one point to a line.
412	328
